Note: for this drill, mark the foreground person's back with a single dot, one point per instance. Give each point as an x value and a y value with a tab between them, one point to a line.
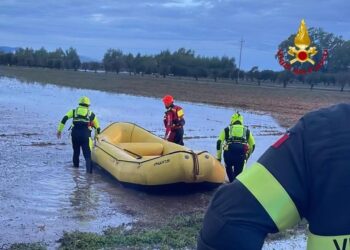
305	174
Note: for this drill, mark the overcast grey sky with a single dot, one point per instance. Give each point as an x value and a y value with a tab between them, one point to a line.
209	27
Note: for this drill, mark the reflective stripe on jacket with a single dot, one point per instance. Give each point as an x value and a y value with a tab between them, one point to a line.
305	174
235	133
82	117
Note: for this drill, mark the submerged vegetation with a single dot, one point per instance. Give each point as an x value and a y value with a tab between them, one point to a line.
178	233
27	246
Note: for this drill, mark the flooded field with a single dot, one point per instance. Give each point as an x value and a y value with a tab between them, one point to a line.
42	195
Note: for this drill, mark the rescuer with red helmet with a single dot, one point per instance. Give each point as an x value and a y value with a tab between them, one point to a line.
173	121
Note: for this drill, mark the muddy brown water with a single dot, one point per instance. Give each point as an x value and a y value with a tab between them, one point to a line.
42	195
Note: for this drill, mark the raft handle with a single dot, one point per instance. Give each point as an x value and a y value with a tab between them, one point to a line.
137	155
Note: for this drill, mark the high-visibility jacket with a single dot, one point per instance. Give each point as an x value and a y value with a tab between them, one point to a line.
82	118
173	118
305	174
235	133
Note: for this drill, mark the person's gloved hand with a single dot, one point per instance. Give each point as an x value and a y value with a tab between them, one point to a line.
96	137
166	136
247	156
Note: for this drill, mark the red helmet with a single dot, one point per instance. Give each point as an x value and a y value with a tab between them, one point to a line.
167	100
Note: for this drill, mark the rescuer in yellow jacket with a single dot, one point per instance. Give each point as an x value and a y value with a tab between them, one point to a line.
305	174
238	144
83	122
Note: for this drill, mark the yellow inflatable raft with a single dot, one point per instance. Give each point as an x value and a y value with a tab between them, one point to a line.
134	155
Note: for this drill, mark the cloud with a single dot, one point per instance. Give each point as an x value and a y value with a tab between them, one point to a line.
187	4
101	18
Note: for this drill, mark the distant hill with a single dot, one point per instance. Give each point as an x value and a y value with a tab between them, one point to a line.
7	49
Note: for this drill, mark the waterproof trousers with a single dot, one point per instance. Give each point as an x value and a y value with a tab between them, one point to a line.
81	139
176	136
234	157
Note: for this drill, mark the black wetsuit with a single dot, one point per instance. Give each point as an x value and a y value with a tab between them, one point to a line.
83	121
81	139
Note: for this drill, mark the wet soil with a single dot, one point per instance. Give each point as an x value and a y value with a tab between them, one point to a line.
286	105
42	195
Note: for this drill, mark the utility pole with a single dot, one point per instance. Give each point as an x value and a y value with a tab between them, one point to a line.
240	57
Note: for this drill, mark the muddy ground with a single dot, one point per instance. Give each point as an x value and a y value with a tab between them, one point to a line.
93	201
287	105
42	195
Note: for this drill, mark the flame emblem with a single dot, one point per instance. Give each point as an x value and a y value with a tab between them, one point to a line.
302	41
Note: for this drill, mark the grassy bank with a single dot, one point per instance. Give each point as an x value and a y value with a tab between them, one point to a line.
287	105
27	246
180	232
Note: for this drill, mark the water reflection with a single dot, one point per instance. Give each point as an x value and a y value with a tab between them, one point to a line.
83	199
42	195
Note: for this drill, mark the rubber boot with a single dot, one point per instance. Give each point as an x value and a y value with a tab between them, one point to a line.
88	166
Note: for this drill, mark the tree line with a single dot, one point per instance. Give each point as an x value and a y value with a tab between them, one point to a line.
179	63
58	59
184	62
